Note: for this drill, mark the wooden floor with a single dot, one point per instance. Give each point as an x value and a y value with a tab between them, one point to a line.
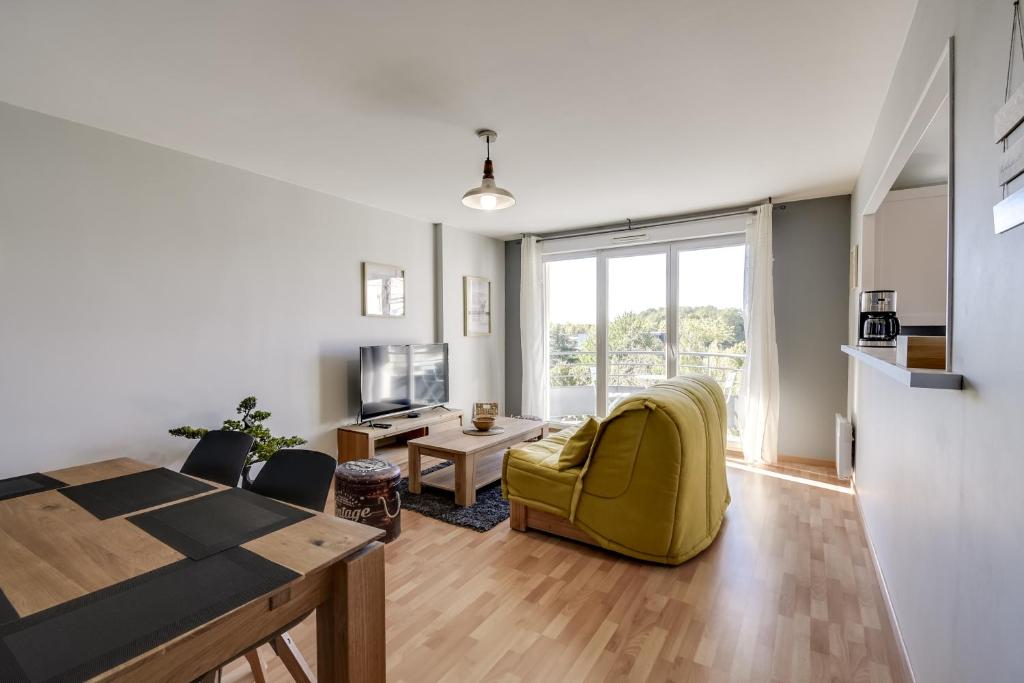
786	593
821	474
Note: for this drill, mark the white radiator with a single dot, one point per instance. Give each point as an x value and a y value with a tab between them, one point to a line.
844	447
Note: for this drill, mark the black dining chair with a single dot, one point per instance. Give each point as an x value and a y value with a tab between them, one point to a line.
297	476
219	457
303	478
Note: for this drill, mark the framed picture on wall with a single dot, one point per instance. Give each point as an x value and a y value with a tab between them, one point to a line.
476	295
383	291
485	409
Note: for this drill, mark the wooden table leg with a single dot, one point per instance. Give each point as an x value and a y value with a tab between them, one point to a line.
465	480
292	659
256	666
414	468
350	624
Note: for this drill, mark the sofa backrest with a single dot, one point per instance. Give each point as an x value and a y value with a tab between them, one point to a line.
658	463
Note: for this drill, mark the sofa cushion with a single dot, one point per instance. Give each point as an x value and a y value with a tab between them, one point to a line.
531	475
617	443
577	448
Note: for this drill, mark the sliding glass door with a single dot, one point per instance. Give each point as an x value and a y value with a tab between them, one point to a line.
571	314
711	339
637	334
621	319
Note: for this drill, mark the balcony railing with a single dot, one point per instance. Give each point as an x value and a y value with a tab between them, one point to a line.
573	377
628	368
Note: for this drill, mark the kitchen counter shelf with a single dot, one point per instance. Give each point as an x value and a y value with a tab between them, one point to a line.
884	360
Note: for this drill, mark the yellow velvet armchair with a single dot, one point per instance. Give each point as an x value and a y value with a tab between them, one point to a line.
647	481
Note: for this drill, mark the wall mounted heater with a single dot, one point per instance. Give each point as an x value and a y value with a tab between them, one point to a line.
844	447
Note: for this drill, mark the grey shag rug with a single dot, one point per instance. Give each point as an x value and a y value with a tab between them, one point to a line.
489	511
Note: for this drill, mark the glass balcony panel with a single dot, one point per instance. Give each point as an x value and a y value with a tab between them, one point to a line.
637	333
711	335
571	288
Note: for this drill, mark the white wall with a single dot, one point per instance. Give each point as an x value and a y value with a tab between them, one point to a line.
910	253
939	472
142	288
477	363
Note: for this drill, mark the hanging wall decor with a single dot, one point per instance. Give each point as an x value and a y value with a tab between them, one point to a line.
383	291
1009	213
476	293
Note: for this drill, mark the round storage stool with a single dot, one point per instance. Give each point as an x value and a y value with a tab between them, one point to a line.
366	491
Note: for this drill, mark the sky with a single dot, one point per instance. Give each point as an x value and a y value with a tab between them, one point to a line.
707	277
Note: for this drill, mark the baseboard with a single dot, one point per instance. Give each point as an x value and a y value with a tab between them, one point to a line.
801	460
791	459
894	624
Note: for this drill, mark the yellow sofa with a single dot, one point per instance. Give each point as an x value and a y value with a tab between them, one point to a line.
648	481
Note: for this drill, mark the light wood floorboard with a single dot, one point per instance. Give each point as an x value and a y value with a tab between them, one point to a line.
786	593
824	473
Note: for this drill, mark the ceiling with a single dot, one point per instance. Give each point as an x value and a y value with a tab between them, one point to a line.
929	163
604	110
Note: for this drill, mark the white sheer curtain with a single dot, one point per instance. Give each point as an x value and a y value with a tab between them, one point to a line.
760	427
532	332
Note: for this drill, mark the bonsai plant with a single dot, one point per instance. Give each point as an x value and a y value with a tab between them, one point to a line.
251	422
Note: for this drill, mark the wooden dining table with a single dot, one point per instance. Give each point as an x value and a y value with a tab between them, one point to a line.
52	551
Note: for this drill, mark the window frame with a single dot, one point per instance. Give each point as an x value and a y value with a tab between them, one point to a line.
671	250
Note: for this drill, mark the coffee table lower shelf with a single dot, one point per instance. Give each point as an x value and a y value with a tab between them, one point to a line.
488	470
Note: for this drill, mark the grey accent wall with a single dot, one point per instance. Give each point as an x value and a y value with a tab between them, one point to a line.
811	241
513	341
939	472
142	288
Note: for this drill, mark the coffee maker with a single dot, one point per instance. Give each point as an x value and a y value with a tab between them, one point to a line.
878	323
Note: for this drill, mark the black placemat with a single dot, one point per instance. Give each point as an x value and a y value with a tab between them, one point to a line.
25	484
86	636
7	611
204	526
133	492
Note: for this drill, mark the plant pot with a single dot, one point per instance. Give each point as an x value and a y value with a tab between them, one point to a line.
250	472
246	480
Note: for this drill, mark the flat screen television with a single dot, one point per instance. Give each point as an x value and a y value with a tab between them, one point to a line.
401	378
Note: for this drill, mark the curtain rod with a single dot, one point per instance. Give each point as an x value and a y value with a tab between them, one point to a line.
650	223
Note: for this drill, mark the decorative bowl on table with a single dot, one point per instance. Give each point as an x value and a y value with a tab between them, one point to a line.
483	422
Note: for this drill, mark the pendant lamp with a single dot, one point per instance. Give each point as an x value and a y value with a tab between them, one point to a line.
488	196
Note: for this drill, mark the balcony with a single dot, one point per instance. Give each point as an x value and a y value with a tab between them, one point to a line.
572	377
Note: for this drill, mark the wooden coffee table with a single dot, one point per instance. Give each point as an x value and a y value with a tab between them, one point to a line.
477	458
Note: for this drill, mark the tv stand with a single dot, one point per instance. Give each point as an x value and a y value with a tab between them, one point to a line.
412	414
359	441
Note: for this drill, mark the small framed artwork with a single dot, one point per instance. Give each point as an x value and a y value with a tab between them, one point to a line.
476	293
383	291
488	409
